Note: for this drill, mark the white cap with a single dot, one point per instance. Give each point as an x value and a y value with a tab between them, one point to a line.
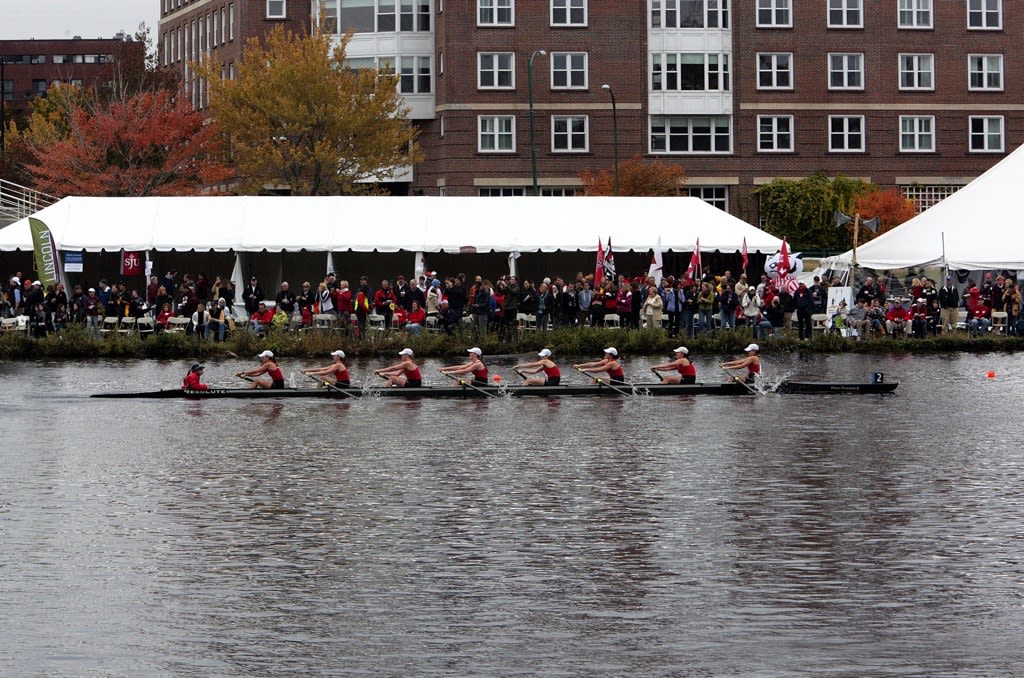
545	353
36	282
920	300
752	347
266	354
16	280
681	349
405	351
339	353
475	350
92	289
612	350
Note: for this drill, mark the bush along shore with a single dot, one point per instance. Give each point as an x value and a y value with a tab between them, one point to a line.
73	342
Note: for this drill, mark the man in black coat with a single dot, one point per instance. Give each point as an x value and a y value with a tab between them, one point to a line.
252	295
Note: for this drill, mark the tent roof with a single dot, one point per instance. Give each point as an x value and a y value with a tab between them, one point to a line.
387	224
975	228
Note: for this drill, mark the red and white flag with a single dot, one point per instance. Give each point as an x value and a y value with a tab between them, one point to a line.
784	264
743	253
599	266
656	264
609	262
131	263
693	272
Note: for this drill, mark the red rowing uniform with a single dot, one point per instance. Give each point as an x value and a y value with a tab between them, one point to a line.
552	372
342	377
192	383
480	374
687	370
276	375
413	378
616	374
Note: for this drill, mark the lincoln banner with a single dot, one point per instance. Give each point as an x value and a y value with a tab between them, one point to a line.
47	262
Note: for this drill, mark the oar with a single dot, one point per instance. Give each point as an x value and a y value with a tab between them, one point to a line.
602	382
657	375
243	376
335	387
740	381
463	382
521	375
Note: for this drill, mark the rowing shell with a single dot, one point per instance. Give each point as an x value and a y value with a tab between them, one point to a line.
464	391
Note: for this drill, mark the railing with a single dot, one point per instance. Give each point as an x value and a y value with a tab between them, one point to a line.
18	202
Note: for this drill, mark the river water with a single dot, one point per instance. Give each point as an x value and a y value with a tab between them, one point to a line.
845	535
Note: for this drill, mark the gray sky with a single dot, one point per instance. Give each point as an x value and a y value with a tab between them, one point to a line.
51	19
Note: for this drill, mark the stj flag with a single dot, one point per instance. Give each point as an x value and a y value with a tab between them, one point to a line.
693	272
131	263
599	265
743	253
656	264
609	262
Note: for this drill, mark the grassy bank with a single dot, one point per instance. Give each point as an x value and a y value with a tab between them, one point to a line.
75	343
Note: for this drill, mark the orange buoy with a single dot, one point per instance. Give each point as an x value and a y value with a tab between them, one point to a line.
497	378
991	374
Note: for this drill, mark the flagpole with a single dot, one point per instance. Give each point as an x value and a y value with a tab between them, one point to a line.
856	234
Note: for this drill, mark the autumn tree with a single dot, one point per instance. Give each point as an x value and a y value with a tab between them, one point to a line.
804	211
636	178
891	208
149	143
297	116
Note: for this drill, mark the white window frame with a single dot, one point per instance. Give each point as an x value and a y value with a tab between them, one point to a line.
774	133
495	70
985	67
492	126
845	8
666	66
689	135
851	66
987	134
775	70
571	67
561	126
283	14
984	11
495	8
417	74
779	13
568	8
915	67
915	14
915	129
846	131
662	10
716	196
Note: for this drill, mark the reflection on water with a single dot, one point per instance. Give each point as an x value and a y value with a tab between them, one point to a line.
777	535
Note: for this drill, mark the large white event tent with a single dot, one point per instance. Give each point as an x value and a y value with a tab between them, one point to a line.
976	228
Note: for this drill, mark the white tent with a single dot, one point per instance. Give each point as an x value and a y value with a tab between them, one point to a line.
976	228
387	224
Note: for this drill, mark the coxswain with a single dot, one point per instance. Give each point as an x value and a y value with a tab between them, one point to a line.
680	369
475	366
405	373
609	363
752	362
194	379
543	372
268	366
336	371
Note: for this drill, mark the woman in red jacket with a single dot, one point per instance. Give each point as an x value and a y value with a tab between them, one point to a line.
194	379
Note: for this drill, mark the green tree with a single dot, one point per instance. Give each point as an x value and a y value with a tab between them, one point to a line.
297	116
804	211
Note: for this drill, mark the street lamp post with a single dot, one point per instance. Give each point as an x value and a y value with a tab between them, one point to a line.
615	134
3	102
533	131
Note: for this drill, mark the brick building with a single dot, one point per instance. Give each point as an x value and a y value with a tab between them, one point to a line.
911	94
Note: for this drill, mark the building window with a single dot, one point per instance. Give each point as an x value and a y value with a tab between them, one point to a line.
223	25
231	21
915	14
690	14
845	13
559	191
846	133
986	134
496	70
846	71
568	12
917	71
690	134
717	196
414	77
568	70
775	133
275	9
569	134
927	196
497	133
985	72
495	12
8	89
503	192
917	134
412	15
775	71
774	13
984	14
690	72
358	15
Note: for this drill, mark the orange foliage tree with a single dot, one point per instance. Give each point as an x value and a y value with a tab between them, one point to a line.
636	178
146	144
891	208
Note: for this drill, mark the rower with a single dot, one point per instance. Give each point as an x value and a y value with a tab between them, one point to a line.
194	379
474	365
609	363
337	370
544	372
405	373
681	370
752	362
268	366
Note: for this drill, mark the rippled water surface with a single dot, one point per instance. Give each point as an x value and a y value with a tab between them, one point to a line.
841	535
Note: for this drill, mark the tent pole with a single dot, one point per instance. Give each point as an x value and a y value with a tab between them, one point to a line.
853	259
